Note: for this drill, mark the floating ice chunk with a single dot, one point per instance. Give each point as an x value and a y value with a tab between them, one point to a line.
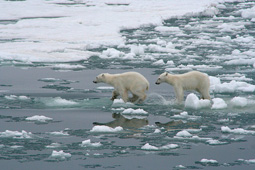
60	155
16	134
234	86
239	101
147	146
111	53
159	62
215	142
14	97
249	161
53	145
57	101
157	131
184	133
170	63
67	66
226	129
208	161
60	133
134	111
106	129
137	50
180	167
193	102
88	143
248	13
219	103
39	118
169	146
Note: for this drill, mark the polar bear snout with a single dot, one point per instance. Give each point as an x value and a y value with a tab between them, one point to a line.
94	81
158	81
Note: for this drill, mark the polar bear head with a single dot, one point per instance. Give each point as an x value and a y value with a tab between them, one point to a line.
101	78
162	78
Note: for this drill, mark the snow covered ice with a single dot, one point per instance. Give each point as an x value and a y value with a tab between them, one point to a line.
52	115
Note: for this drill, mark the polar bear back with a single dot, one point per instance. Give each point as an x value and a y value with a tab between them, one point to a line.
192	80
129	79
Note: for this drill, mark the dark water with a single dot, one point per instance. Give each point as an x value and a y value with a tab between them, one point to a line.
74	103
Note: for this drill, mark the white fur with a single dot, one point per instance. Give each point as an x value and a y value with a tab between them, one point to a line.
193	80
134	82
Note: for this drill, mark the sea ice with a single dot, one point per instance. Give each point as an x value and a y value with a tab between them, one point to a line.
215	142
226	129
60	155
53	145
184	133
248	13
193	102
147	146
16	134
210	161
219	103
106	129
239	102
159	62
88	143
233	86
60	133
134	111
57	101
39	118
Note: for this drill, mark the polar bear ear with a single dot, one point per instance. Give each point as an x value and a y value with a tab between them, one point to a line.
166	73
102	75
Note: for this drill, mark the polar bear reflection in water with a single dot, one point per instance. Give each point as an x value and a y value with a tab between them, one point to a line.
134	82
124	122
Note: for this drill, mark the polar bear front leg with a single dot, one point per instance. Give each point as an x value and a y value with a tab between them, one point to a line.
179	94
115	94
124	95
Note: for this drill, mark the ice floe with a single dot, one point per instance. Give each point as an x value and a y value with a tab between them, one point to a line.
53	145
39	118
239	102
16	134
60	133
134	111
193	102
219	103
57	101
106	129
147	146
208	161
14	97
88	143
226	129
61	155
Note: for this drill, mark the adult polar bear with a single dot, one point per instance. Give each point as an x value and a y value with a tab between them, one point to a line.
134	82
193	80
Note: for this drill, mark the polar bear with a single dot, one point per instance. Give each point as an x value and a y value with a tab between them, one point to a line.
134	82
193	80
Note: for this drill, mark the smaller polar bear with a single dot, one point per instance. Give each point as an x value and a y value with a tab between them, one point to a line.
193	80
134	82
